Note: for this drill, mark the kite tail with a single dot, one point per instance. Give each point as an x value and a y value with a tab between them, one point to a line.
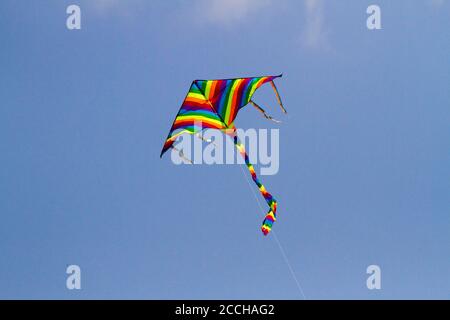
263	112
271	215
278	96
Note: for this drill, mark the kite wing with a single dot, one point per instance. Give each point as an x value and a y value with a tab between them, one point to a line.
214	104
196	113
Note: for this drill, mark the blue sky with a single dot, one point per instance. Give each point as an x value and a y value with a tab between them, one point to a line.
364	161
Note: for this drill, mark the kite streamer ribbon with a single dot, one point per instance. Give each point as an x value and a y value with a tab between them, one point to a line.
271	215
181	155
278	96
263	112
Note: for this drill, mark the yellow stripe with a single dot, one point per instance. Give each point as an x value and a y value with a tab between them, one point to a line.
256	85
231	98
176	135
208	89
196	95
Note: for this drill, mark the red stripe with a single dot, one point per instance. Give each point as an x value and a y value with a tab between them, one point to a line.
205	123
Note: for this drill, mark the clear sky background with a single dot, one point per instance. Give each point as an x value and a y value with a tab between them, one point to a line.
364	155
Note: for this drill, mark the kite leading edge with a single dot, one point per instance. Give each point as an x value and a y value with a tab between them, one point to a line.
214	104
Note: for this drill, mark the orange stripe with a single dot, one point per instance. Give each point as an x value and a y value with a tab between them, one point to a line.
212	91
195	100
235	102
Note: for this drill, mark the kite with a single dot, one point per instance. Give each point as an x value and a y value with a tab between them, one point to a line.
214	104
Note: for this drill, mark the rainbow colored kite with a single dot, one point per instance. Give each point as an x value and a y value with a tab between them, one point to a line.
214	104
